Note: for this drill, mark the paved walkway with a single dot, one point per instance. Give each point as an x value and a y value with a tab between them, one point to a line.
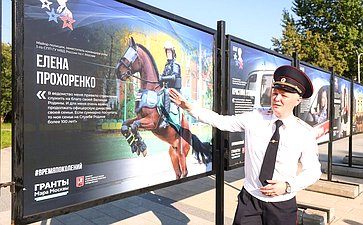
191	203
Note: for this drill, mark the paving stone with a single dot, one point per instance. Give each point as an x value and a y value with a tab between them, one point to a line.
335	188
191	203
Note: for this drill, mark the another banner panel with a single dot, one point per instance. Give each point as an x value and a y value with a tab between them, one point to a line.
357	108
95	101
341	114
250	78
315	110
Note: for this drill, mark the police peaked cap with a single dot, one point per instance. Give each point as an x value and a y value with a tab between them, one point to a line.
291	79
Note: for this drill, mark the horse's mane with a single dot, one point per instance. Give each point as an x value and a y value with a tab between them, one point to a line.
151	57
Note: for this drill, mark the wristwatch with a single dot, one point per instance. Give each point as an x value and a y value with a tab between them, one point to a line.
288	188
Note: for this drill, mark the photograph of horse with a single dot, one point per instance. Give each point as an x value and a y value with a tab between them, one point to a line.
138	59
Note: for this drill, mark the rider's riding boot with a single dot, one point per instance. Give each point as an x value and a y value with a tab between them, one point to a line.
164	123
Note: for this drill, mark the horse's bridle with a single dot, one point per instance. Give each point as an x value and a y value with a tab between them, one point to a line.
130	55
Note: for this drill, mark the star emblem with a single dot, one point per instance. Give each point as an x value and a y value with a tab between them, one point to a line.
67	22
53	16
46	4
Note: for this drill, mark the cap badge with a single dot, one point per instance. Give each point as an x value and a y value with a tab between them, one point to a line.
283	80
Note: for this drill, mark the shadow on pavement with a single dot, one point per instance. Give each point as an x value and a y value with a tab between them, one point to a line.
165	203
351	222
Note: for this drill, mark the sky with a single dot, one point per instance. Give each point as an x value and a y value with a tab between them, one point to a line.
6	21
256	21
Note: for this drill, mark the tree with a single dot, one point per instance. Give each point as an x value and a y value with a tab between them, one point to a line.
6	81
325	33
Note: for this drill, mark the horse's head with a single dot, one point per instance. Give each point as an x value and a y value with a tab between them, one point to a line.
129	62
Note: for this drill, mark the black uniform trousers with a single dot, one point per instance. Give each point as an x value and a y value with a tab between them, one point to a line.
252	211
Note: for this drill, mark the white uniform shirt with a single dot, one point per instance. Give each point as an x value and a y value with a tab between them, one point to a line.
297	142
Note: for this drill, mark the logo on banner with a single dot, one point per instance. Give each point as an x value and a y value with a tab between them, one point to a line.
51	189
61	12
80	181
237	57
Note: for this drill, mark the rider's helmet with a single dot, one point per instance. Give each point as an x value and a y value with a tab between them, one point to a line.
169	46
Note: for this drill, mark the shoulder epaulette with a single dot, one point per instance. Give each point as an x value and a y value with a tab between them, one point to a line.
303	123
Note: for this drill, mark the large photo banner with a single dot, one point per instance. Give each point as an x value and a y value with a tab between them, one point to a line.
250	79
357	108
98	120
341	114
315	110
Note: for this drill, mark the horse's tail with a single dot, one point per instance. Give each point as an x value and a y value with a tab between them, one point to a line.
202	150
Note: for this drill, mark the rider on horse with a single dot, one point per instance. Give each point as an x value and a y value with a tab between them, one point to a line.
148	108
170	78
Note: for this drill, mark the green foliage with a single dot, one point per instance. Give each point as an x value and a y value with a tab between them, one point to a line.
325	33
6	81
5	135
130	107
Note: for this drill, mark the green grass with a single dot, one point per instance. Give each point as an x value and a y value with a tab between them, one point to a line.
5	135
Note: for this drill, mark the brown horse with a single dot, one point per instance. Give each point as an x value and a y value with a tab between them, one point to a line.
138	59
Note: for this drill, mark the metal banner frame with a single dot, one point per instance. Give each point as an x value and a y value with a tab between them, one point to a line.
19	113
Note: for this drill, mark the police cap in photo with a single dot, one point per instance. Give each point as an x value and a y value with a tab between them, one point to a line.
293	80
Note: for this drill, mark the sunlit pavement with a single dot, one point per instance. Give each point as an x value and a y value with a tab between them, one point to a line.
191	202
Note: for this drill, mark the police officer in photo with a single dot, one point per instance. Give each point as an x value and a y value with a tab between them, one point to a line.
276	142
170	78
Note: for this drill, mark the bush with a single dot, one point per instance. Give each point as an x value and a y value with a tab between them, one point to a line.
6	75
5	135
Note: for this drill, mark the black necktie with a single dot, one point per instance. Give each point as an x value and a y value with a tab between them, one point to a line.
268	165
